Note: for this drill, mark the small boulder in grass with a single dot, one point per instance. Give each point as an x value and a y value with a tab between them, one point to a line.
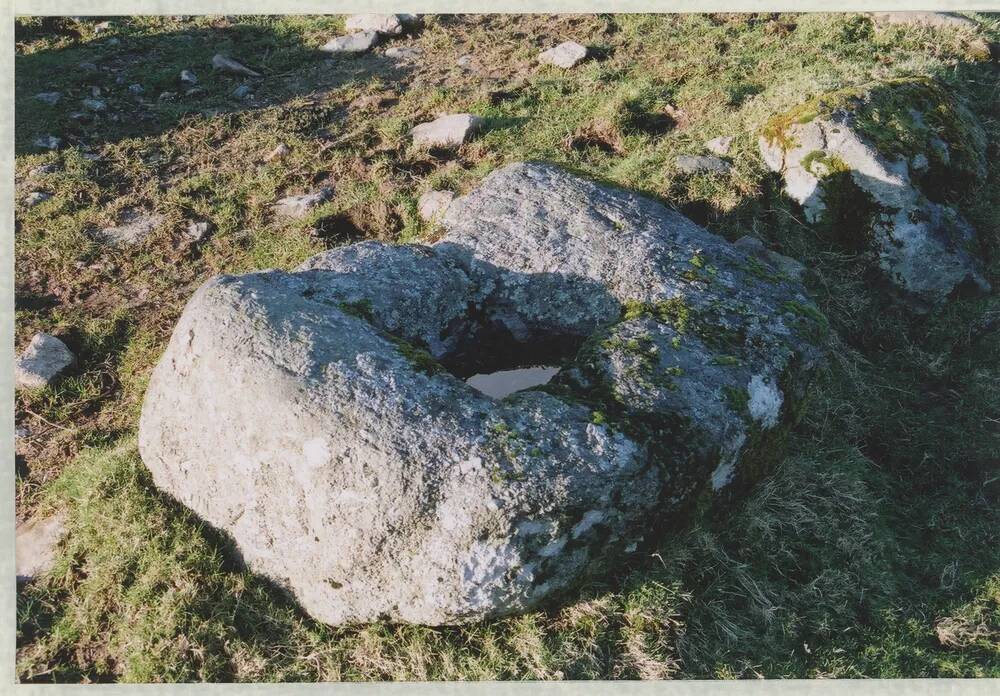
352	43
36	197
702	164
299	206
720	146
188	77
198	231
279	152
48	142
566	55
433	204
227	64
35	543
389	24
446	131
135	226
50	98
41	362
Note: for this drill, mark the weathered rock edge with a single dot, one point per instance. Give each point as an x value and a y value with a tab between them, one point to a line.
307	415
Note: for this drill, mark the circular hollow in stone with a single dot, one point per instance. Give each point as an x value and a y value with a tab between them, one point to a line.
338	444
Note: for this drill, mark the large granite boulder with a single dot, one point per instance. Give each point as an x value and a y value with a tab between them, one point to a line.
321	417
877	166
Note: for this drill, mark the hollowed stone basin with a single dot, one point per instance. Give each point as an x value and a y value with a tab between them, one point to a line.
321	419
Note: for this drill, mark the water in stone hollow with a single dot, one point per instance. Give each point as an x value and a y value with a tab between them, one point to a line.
503	382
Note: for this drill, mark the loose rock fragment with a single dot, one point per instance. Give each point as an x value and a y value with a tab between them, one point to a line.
36	197
299	206
566	55
720	146
42	361
280	152
136	89
701	164
447	131
352	43
134	228
221	62
242	91
433	204
48	142
197	231
50	98
403	52
35	543
95	105
389	24
188	77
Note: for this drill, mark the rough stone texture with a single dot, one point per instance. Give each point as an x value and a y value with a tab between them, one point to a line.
702	164
42	361
922	246
403	52
197	231
783	264
227	64
50	98
389	24
352	43
568	54
48	142
36	197
447	131
433	204
352	469
299	206
720	146
927	19
35	544
134	228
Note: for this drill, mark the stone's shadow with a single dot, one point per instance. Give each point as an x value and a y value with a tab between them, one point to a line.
288	68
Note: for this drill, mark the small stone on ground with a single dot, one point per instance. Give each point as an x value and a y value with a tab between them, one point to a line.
352	43
36	197
389	24
447	131
720	145
566	55
35	544
227	64
197	231
42	361
135	227
50	98
701	164
48	142
299	206
433	204
403	53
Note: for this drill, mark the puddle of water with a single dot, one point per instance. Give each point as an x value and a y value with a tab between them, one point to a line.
503	382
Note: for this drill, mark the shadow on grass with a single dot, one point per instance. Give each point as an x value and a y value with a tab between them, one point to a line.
136	76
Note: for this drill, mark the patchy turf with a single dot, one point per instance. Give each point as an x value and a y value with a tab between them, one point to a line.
873	549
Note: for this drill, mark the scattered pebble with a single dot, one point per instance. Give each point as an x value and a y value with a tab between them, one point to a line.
95	91
50	98
701	164
568	54
80	116
447	131
136	89
102	27
95	105
43	169
464	61
221	62
241	91
36	197
403	52
35	544
390	24
280	152
433	204
42	361
352	43
188	77
135	227
299	206
720	145
197	231
167	96
87	67
48	142
21	433
113	41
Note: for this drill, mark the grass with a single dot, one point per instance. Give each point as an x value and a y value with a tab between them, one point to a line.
872	549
